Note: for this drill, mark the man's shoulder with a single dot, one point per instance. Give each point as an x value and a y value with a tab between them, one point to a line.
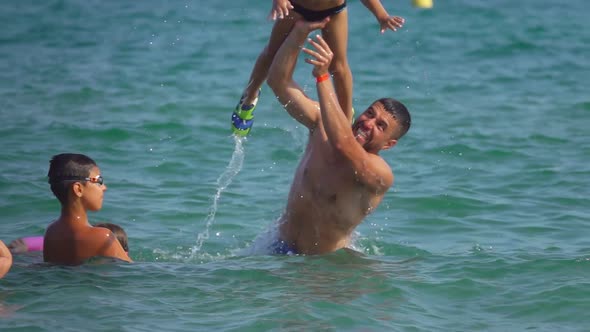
56	231
99	234
377	160
91	237
383	170
53	224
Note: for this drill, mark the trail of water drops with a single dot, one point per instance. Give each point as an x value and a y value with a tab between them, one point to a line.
224	180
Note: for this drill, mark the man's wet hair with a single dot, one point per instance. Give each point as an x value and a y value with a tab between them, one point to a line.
400	113
64	169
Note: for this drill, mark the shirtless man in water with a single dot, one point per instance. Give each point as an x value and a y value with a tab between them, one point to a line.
341	178
76	182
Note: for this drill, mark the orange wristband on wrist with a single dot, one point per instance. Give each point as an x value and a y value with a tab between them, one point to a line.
322	78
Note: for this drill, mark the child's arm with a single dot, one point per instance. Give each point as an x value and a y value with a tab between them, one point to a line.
385	21
5	259
280	9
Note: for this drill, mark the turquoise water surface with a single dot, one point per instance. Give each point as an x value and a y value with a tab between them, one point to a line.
485	229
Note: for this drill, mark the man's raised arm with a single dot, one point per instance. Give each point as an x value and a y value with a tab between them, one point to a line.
369	169
280	78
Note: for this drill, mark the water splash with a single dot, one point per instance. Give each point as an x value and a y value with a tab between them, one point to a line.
224	180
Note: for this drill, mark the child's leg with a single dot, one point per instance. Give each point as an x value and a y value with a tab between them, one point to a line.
336	35
279	33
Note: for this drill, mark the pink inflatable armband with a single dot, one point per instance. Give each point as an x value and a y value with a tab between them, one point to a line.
34	243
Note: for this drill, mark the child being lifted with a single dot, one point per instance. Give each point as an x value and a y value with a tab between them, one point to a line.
286	13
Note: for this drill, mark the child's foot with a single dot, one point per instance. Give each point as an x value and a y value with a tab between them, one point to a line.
243	117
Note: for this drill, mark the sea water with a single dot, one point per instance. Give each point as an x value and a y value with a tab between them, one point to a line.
485	228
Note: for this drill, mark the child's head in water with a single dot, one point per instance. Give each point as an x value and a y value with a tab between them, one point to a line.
119	233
